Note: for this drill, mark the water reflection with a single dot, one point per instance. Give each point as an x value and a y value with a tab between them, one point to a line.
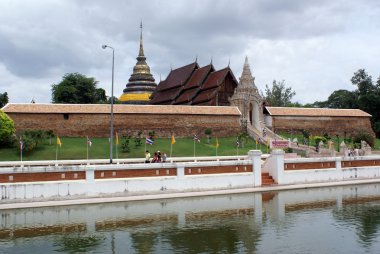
324	220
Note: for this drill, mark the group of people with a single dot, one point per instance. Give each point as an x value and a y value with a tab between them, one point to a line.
157	157
353	152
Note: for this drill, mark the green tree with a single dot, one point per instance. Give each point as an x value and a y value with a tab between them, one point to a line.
77	88
7	130
363	81
342	99
3	99
115	100
366	97
279	95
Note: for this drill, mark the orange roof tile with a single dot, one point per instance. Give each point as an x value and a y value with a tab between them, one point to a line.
32	108
291	111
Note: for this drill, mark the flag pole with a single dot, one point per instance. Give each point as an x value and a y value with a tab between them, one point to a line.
87	148
21	147
171	149
56	152
117	155
194	146
216	146
237	146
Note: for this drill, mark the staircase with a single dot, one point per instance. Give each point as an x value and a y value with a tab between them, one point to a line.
254	133
266	179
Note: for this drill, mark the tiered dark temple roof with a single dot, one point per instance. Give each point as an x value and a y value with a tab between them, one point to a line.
141	83
192	85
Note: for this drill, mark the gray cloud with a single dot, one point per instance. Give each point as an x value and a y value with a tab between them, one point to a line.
295	40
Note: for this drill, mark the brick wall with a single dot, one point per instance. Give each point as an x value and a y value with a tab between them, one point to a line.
97	125
321	125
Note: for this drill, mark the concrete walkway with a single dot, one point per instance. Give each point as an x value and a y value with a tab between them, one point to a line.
96	200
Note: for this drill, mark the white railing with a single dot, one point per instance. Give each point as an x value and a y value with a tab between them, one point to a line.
46	163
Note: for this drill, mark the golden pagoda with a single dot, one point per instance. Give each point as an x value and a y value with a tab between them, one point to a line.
141	83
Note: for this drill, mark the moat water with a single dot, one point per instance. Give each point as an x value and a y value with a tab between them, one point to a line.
323	220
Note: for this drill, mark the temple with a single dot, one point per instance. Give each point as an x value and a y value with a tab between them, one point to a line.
141	83
194	85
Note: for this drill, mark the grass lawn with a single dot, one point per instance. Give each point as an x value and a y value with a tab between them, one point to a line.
75	148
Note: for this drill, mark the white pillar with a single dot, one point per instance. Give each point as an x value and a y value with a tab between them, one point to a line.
90	175
180	170
255	157
277	171
338	166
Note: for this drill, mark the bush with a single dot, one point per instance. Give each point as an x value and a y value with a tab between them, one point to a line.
33	138
376	128
7	130
125	144
305	133
318	139
208	133
358	137
30	143
152	135
138	139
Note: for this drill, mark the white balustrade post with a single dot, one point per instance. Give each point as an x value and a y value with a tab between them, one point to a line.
278	165
90	175
255	157
180	170
338	166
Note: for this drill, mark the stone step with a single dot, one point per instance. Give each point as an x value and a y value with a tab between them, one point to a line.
266	179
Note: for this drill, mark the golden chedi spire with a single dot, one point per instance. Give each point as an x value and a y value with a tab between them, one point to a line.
141	83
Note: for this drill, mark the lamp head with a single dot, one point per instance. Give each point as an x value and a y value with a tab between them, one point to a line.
104	46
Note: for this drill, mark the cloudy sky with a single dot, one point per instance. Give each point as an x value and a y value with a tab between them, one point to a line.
315	46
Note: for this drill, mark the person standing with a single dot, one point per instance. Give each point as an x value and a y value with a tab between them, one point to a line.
155	158
147	156
163	157
159	156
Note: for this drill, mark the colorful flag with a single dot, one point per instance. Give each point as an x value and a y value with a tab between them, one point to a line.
196	138
173	139
216	142
257	140
264	132
21	144
89	142
59	143
148	141
237	142
267	142
116	139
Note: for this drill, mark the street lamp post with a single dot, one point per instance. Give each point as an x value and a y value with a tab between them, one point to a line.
111	121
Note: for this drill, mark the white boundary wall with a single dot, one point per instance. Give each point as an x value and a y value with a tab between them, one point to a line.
91	187
275	166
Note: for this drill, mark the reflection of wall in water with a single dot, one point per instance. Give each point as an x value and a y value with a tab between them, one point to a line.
179	213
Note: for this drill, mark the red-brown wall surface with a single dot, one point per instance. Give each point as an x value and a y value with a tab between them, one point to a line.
321	125
97	125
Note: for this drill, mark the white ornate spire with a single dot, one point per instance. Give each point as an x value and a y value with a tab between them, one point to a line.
246	79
